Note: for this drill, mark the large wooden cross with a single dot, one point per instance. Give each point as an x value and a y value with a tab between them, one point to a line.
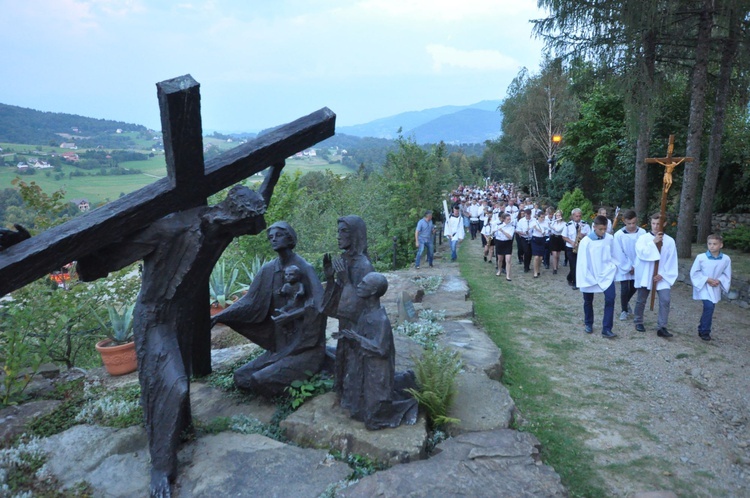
669	162
188	184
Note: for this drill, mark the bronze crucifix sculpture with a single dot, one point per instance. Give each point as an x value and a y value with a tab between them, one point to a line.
179	238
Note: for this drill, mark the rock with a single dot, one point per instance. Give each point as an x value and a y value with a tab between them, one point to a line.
207	403
321	423
227	356
480	464
477	350
97	454
406	351
481	404
454	304
229	464
115	462
13	419
655	494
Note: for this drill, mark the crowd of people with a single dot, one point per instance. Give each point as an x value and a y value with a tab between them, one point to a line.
598	256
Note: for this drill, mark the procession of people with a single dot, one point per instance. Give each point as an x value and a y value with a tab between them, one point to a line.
599	255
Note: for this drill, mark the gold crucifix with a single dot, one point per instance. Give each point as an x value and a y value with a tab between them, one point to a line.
669	163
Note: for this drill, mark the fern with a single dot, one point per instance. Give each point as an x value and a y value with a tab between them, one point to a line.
436	374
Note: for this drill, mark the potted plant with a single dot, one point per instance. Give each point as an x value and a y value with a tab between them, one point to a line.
223	286
118	349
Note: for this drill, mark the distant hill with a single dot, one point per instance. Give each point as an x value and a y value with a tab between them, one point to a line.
28	126
452	124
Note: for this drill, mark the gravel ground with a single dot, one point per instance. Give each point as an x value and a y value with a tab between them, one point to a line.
661	414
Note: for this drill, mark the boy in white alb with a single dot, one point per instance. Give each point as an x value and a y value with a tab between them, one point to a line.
647	253
624	254
711	274
595	273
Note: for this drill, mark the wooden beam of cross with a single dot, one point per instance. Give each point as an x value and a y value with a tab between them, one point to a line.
669	162
188	184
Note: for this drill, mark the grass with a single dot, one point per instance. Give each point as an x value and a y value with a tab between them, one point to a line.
536	396
97	189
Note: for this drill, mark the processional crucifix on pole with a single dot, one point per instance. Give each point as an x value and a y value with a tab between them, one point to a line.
669	162
179	238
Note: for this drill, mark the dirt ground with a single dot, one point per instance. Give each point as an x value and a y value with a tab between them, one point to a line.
661	414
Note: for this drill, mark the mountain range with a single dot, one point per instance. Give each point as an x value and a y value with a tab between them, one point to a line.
452	124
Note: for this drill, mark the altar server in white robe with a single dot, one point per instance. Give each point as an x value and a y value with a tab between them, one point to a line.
595	274
647	253
624	253
711	275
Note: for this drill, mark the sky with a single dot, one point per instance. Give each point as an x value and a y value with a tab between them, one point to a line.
262	63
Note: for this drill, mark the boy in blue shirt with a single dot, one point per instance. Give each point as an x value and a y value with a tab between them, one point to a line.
711	274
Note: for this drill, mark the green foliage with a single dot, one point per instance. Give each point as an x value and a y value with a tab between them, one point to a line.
18	466
573	200
248	425
361	465
19	360
302	390
223	285
430	284
120	326
436	375
593	144
424	332
45	322
63	417
256	263
737	238
47	210
111	407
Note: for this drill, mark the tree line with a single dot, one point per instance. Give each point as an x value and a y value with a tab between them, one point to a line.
620	76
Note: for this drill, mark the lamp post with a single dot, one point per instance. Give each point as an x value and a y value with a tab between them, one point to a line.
552	161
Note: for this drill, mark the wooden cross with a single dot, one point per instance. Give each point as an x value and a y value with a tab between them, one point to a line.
188	184
669	162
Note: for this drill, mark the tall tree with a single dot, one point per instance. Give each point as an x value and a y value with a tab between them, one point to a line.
699	83
733	17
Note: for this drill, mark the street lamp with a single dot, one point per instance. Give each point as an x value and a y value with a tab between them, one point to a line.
552	161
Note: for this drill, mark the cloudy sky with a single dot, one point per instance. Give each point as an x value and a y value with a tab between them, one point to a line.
262	63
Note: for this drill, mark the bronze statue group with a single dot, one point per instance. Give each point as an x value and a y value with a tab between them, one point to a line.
284	311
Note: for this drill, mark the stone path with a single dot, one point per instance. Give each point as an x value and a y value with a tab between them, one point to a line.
484	458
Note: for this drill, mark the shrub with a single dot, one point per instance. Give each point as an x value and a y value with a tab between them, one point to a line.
576	199
738	238
436	375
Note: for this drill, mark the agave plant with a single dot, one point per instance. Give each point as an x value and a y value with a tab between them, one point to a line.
250	271
223	284
120	326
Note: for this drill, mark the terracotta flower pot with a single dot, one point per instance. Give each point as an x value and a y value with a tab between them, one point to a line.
216	308
118	359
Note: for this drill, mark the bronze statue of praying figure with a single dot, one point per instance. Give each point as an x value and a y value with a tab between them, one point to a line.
365	379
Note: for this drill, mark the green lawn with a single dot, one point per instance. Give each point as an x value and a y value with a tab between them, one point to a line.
98	189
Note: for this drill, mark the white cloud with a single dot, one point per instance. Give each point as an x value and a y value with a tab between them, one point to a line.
484	60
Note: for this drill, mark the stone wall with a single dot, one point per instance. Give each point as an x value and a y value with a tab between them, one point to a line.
726	221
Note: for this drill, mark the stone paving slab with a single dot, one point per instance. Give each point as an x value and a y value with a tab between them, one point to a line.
480	464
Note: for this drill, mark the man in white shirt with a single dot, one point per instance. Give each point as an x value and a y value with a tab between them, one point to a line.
454	230
523	236
475	211
573	232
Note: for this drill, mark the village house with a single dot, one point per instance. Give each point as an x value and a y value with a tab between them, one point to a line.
82	204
